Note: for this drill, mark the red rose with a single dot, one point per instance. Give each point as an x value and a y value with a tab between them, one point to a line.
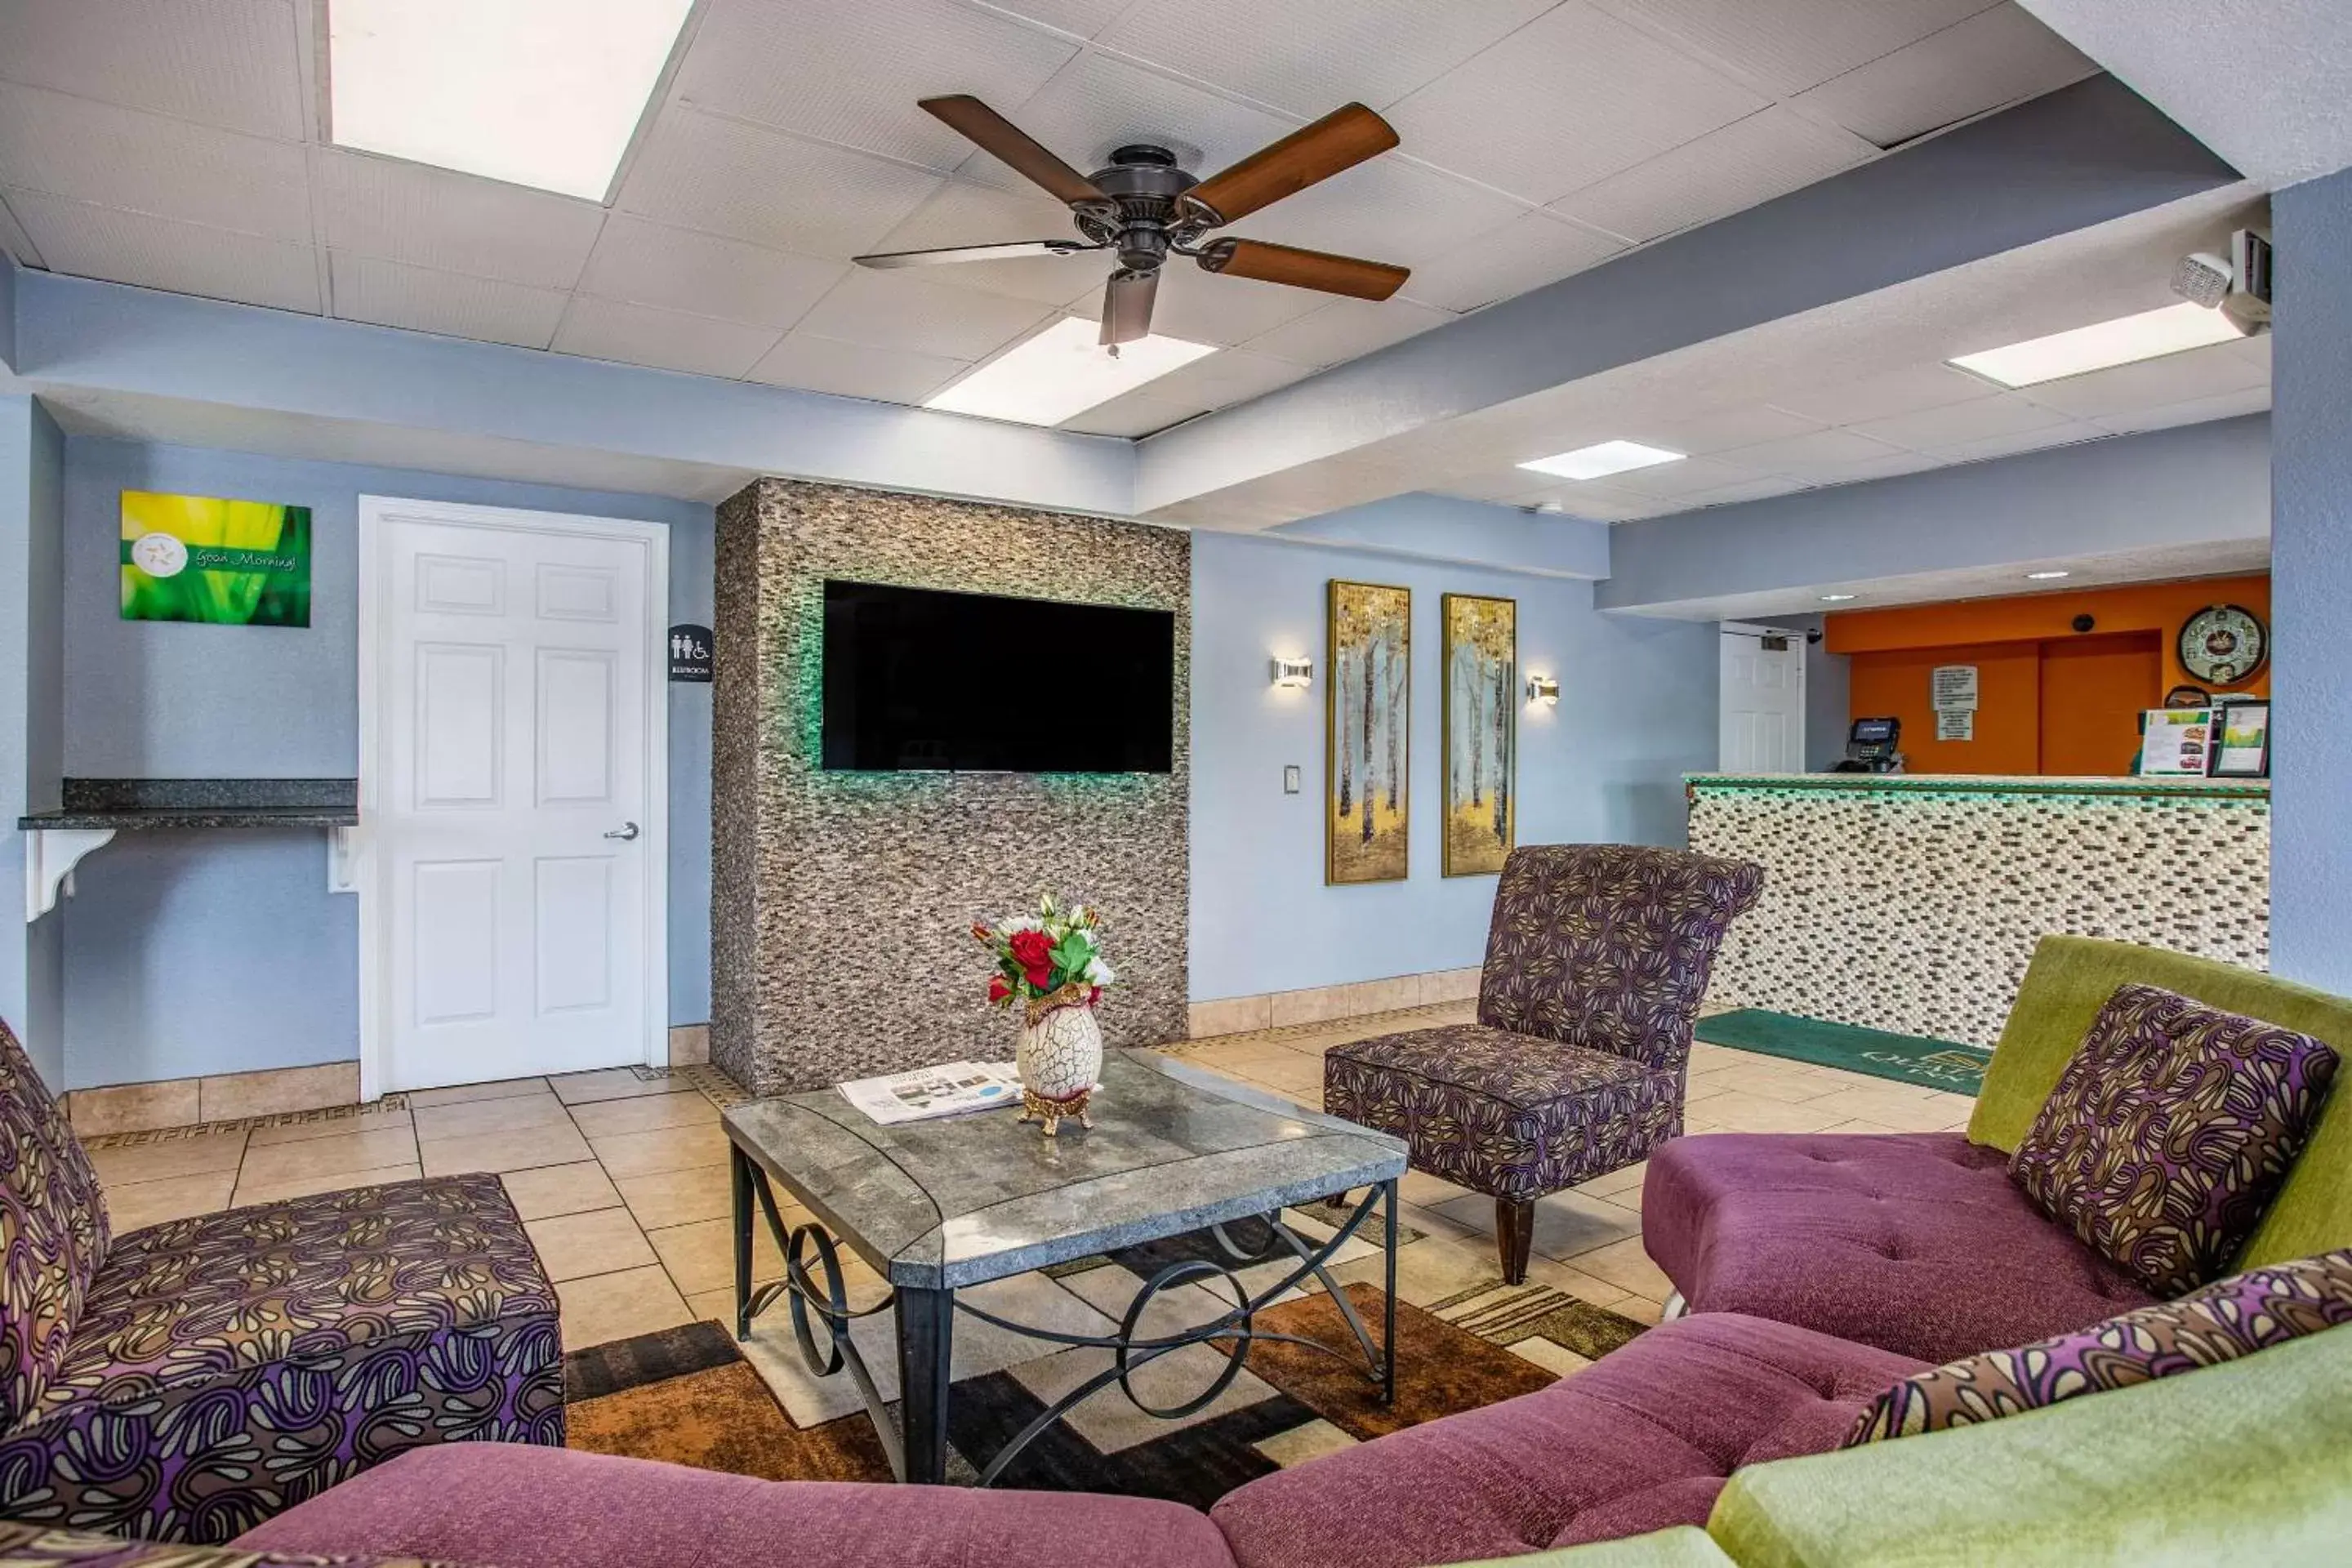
1033	951
999	988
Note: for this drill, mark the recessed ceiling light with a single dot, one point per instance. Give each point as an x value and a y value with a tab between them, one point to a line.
1599	462
1837	598
534	92
2046	576
1063	372
2126	340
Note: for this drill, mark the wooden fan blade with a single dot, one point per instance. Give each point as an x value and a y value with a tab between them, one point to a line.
1127	306
1341	140
1013	251
1348	275
1014	146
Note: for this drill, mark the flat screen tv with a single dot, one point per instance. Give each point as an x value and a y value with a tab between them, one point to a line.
916	679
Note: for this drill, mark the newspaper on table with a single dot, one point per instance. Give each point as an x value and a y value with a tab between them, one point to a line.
950	1089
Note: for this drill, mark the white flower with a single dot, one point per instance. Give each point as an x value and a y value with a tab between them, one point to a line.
1020	923
1099	974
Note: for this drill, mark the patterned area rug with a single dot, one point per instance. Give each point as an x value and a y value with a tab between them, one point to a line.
692	1397
1905	1058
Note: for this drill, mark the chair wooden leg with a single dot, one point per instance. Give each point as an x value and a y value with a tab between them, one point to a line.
1515	1228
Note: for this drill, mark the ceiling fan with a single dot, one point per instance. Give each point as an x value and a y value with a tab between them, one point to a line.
1145	208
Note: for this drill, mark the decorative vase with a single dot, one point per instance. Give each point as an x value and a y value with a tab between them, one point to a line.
1060	1058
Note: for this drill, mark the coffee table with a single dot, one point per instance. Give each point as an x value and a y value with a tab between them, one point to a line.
936	1205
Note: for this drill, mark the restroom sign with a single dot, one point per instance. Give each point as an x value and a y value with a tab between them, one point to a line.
689	654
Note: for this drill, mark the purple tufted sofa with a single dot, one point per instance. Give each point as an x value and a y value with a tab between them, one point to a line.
184	1381
1597	960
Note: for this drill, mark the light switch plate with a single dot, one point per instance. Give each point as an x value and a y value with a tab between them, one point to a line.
1290	779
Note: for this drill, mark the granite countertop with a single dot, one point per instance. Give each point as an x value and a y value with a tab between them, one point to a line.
1984	784
963	1199
202	803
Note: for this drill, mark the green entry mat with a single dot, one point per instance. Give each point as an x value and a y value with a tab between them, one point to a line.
1907	1058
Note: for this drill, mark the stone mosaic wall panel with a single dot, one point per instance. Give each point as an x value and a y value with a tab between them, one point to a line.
840	902
1916	909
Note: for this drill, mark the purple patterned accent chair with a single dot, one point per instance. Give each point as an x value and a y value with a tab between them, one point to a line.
184	1381
1596	964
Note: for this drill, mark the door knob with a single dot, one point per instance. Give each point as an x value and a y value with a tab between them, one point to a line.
625	831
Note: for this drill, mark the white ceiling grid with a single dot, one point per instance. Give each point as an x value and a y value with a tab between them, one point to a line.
175	145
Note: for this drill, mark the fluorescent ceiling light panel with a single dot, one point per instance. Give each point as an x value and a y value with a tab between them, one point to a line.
2046	576
534	92
1601	462
1836	598
2103	345
1063	372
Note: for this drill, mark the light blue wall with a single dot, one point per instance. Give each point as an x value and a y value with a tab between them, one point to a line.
1609	767
2197	485
1447	528
2311	585
191	953
32	460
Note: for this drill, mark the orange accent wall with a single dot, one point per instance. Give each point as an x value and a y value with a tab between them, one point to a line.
2050	699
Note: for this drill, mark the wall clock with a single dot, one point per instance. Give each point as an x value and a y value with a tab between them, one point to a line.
2224	644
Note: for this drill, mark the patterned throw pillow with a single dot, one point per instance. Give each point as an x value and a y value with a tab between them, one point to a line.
2169	1133
2225	1320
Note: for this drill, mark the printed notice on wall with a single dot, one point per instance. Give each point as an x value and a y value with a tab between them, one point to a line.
1956	723
1952	687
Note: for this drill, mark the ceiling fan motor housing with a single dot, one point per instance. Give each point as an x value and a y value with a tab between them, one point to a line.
1145	215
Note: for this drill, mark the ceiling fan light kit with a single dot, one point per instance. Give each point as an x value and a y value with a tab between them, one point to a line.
1144	208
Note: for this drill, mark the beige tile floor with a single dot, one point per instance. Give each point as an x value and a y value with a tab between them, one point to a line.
624	1183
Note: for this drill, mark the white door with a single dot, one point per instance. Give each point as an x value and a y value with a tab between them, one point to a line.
511	793
1763	700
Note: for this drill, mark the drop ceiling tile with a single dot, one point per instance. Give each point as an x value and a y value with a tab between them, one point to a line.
1310	57
783	191
1390	209
1201	308
1717	430
1994	58
2152	383
895	310
1800	457
665	340
1605	504
964	213
1747	163
1789	46
1979	419
459	223
1886	467
453	304
1135	415
2070	434
1746	490
1084	18
15	242
2228	405
1851	399
1571	98
851	74
1229	377
1347	329
1692	474
855	369
1526	253
121	247
1512	487
680	269
1101	102
116	157
231	63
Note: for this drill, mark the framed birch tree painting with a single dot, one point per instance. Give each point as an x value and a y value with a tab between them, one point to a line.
1482	742
1368	713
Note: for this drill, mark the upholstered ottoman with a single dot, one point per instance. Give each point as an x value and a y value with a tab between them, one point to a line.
1597	960
1916	1242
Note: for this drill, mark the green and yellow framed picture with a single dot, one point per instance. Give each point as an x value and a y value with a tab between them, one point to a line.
1368	715
1482	745
203	558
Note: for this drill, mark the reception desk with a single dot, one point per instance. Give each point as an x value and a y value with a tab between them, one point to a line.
1913	902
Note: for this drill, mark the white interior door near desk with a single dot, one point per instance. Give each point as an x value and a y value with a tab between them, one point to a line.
512	793
1763	700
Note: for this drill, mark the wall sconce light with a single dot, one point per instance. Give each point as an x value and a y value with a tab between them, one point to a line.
1543	689
1293	671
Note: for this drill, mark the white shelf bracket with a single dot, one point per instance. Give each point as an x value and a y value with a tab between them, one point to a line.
51	855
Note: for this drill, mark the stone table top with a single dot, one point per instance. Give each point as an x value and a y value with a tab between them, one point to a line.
962	1199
